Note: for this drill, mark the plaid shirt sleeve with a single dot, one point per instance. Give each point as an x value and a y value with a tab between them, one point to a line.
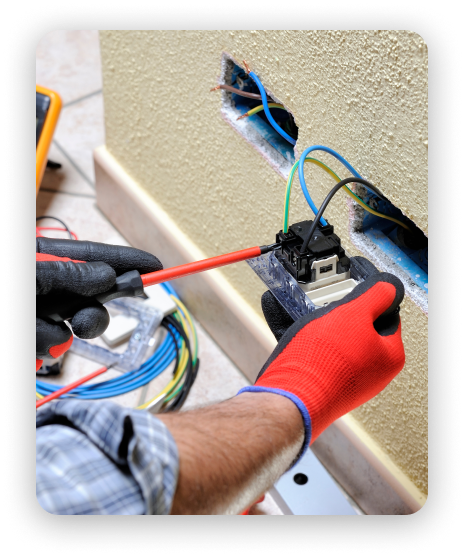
101	458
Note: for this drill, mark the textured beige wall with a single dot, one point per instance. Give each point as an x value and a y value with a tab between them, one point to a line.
363	94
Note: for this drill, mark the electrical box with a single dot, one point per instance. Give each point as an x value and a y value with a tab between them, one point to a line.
408	249
256	128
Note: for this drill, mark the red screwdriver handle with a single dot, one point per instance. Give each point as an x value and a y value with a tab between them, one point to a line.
157	277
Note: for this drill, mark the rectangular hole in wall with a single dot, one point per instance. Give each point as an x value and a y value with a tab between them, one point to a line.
256	129
391	247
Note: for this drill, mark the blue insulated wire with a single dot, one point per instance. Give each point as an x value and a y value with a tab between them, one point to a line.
273	123
302	178
120	385
126	382
129	381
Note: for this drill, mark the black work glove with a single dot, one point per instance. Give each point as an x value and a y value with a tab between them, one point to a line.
276	315
81	270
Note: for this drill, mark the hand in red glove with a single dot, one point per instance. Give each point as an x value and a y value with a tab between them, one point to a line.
80	270
338	357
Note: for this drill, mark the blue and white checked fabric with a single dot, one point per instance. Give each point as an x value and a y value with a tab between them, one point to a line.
101	458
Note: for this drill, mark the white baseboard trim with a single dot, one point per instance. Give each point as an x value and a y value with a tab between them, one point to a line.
358	464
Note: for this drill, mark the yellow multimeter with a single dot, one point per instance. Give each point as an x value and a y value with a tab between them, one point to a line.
47	110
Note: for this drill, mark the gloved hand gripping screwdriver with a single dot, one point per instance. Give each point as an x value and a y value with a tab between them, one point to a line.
131	284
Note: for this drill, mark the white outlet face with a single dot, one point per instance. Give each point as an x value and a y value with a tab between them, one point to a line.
332	293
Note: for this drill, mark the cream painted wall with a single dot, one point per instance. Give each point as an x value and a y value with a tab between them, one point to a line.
363	94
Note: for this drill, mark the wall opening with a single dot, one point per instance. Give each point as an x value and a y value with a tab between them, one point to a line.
256	129
390	246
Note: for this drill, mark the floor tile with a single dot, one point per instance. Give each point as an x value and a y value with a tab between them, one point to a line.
80	130
67	179
69	63
81	215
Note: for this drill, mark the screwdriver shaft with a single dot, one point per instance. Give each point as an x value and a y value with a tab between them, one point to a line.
149	279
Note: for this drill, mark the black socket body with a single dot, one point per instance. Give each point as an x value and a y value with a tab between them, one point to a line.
323	244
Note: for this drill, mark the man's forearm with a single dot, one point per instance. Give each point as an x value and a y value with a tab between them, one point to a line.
230	453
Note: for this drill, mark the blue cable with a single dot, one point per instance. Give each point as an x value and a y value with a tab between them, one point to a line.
273	123
126	382
302	178
129	381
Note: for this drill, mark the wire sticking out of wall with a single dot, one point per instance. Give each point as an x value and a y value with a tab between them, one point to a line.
262	91
338	179
243	108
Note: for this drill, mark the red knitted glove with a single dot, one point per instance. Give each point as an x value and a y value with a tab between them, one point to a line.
339	357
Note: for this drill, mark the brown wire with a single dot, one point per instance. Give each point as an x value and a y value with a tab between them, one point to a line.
239	92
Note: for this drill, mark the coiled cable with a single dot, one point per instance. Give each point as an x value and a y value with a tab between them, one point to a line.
179	345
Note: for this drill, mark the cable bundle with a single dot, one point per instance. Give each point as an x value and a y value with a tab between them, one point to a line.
180	345
187	361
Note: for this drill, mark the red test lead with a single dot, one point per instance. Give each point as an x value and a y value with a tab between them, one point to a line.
70	387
